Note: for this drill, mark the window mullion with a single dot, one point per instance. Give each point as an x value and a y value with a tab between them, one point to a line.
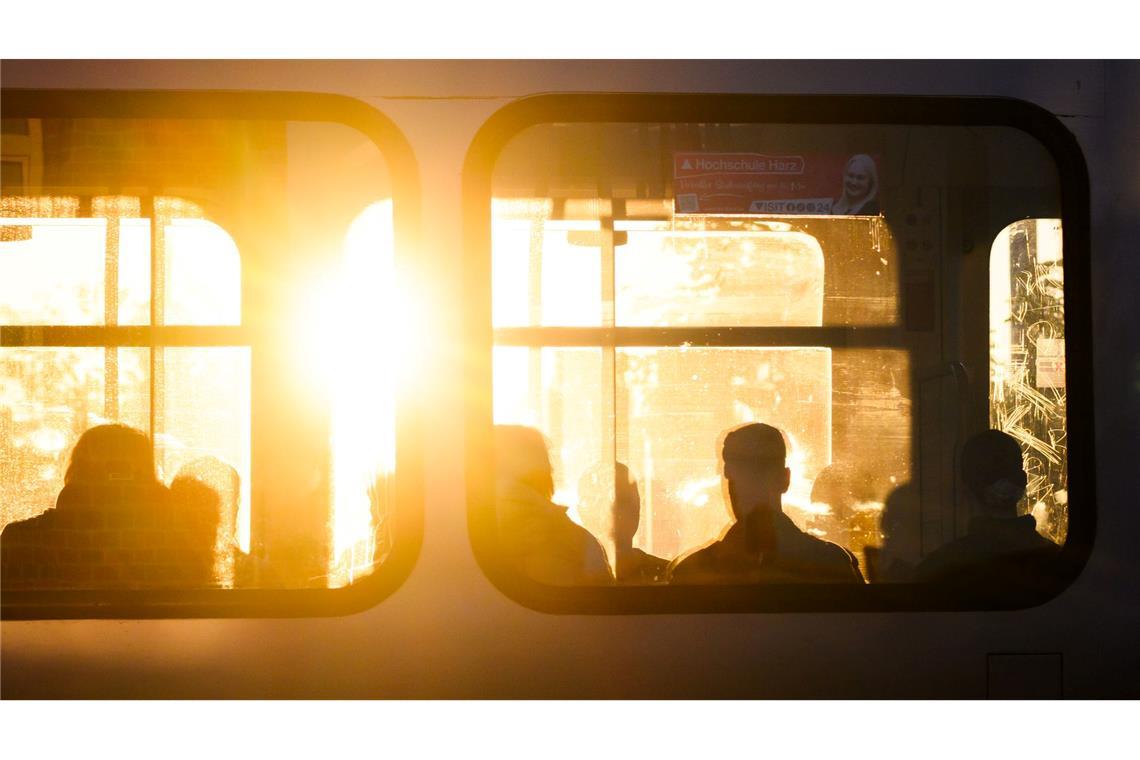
157	314
111	312
609	453
741	337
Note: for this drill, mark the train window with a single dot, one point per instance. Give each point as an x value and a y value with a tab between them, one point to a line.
737	357
188	422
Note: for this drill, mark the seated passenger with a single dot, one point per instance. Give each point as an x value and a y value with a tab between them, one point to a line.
211	489
763	545
113	526
535	534
892	561
1000	549
617	511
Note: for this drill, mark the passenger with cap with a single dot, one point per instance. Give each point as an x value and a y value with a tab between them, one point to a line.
535	534
763	545
1000	548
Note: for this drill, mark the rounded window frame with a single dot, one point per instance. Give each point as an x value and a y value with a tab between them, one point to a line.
408	537
513	118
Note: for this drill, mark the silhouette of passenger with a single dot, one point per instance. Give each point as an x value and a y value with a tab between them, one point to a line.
889	563
114	525
619	506
535	534
763	545
833	487
111	454
211	489
1000	549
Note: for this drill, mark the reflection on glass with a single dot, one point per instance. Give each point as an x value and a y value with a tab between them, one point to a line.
1027	362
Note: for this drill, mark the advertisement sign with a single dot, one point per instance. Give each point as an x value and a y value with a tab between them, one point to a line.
1051	363
758	183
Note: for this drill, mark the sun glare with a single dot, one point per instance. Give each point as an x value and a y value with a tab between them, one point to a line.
355	335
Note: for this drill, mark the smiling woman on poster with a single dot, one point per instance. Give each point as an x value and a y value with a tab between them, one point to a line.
860	186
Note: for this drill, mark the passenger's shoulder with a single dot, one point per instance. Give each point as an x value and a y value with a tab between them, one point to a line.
806	543
694	564
832	559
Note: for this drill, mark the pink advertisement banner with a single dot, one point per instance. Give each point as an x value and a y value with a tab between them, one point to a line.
758	183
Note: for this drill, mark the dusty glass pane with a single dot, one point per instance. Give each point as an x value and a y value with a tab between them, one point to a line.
134	271
674	405
560	392
547	273
680	274
1027	363
48	398
54	275
680	401
56	270
203	274
205	435
728	270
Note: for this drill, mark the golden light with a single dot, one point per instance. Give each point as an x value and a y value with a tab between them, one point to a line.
1027	361
53	271
670	403
358	333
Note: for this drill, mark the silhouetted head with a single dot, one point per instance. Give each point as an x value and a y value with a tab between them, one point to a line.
753	457
609	500
111	454
194	497
521	456
897	505
991	468
222	481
